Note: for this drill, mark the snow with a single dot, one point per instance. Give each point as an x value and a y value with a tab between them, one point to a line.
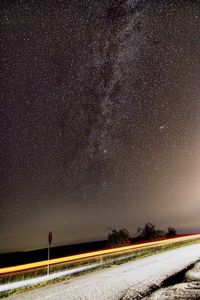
193	274
186	291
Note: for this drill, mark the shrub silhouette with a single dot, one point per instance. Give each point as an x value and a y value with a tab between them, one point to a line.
149	232
171	232
118	237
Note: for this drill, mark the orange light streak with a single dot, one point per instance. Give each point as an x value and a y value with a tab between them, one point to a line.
94	254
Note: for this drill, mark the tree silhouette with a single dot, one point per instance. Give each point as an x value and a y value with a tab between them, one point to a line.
171	232
118	237
149	232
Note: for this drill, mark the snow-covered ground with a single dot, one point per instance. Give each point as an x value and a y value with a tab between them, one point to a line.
131	280
183	291
194	273
187	290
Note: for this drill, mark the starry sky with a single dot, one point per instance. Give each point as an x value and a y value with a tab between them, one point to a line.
100	119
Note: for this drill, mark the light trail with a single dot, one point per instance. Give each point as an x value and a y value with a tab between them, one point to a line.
40	279
94	254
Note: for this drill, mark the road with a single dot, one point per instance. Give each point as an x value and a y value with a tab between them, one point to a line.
131	280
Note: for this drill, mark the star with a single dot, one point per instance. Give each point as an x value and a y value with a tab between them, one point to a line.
162	127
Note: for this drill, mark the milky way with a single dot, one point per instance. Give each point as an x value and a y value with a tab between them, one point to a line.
100	119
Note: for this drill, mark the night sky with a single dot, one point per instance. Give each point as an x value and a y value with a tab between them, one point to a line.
100	119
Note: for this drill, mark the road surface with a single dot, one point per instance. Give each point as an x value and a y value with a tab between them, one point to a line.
131	280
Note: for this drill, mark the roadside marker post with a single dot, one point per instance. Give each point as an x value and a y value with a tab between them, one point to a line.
50	237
